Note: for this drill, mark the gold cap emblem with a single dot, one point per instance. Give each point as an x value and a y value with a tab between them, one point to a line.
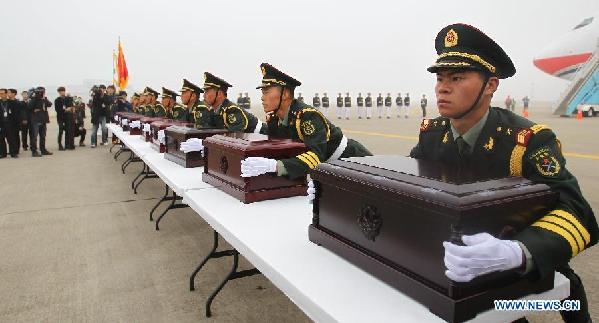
263	70
451	39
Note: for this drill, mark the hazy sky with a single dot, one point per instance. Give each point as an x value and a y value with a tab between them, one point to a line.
332	46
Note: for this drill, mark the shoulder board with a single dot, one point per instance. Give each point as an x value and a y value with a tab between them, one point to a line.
524	135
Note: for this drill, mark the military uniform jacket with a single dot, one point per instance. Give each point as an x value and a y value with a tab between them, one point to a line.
234	118
368	101
159	110
379	101
181	113
149	112
339	102
141	109
398	101
388	101
406	101
347	101
509	145
322	138
316	102
201	115
325	101
360	101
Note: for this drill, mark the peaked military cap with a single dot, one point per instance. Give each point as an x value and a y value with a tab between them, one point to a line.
271	76
166	93
188	86
149	91
135	95
465	47
212	81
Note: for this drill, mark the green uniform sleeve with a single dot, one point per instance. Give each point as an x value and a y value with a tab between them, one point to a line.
235	119
201	116
314	132
571	226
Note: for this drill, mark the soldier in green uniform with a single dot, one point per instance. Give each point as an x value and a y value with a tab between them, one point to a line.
360	102
339	106
379	105
368	103
300	97
240	101
224	113
169	99
152	95
289	118
134	102
471	134
316	101
388	104
347	105
247	102
141	103
399	104
325	103
192	108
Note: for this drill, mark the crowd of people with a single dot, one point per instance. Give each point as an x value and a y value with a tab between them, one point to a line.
25	121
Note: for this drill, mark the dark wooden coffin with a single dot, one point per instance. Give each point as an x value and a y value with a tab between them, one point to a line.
124	116
223	156
175	135
131	118
160	125
397	211
148	120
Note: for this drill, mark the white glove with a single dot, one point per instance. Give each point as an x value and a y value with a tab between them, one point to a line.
192	144
135	124
116	118
147	127
255	166
482	254
124	122
161	136
311	191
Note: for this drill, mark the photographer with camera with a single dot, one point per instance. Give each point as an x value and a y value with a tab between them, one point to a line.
110	100
100	113
38	108
122	105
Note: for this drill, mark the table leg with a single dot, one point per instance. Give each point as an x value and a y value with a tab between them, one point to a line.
173	205
164	198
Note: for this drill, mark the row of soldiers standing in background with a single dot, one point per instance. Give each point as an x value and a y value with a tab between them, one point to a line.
365	104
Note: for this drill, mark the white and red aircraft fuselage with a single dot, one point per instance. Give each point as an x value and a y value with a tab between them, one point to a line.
564	56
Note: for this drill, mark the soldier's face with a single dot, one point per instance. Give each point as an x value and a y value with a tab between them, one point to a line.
185	95
135	101
456	91
271	97
210	95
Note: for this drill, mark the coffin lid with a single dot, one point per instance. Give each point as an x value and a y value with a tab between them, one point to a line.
430	181
253	141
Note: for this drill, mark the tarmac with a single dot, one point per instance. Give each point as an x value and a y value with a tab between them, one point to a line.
77	244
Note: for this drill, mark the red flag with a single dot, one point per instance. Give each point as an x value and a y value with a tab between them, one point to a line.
122	69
